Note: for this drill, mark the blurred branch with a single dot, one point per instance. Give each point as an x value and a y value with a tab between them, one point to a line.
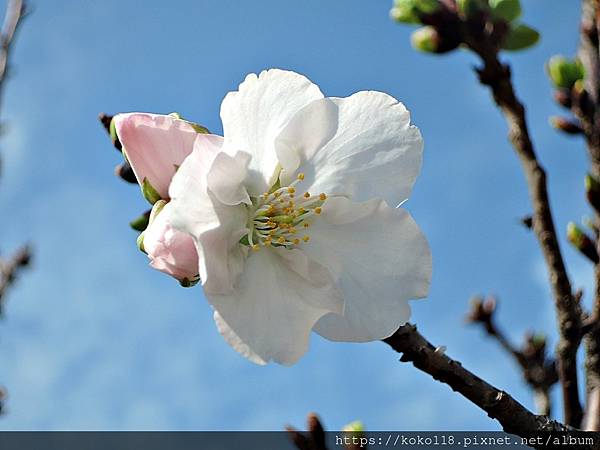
499	405
497	76
313	439
15	12
9	270
538	370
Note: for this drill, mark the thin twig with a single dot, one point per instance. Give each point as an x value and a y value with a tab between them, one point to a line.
538	370
497	77
512	416
9	270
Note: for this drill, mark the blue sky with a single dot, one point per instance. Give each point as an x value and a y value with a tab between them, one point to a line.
95	339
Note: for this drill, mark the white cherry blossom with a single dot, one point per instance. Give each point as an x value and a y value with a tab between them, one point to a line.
294	216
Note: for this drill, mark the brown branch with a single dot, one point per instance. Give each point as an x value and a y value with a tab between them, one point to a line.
497	77
537	369
9	270
585	105
512	416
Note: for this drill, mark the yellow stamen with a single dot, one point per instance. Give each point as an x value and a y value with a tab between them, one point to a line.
322	197
306	195
296	241
301	176
318	210
306	238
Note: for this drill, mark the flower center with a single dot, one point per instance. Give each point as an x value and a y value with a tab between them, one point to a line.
281	218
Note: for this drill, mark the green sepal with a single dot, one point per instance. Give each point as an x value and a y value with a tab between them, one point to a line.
354	427
197	127
149	192
140	242
582	242
468	8
539	340
564	73
156	209
507	10
592	191
425	39
112	131
140	223
408	11
520	37
427	6
405	12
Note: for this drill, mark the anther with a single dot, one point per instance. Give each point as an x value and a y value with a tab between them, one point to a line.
306	238
306	195
322	197
301	176
318	210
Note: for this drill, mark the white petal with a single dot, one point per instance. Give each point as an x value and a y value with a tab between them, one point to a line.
193	210
362	146
380	260
277	300
254	116
226	177
215	227
234	340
